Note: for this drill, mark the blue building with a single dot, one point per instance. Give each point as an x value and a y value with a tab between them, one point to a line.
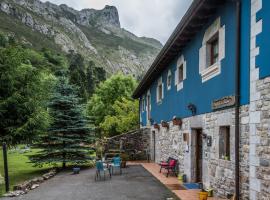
206	97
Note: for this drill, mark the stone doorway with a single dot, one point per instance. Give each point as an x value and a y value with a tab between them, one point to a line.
197	155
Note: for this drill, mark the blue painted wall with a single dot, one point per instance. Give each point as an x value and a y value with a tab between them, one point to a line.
245	52
263	40
201	94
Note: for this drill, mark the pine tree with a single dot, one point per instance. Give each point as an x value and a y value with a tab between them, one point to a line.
68	139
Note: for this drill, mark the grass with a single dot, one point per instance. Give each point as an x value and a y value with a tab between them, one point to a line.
19	168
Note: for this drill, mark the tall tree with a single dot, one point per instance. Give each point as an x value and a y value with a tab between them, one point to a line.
116	88
23	94
124	118
68	136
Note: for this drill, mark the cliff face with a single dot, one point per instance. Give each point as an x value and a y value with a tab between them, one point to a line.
96	34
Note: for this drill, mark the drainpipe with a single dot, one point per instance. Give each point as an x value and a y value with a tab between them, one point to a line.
237	99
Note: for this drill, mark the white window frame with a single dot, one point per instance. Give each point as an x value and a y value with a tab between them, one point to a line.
143	104
148	105
159	97
169	74
180	62
206	70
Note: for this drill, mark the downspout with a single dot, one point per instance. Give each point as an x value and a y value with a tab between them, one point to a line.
237	99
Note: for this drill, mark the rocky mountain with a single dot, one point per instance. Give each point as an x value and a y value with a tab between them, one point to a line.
96	34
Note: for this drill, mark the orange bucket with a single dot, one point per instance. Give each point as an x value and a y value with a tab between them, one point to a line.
203	195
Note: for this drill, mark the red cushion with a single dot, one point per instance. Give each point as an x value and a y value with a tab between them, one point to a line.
172	163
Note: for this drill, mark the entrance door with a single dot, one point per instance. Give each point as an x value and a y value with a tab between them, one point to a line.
198	155
154	146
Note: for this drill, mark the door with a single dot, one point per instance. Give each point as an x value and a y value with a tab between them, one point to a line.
199	155
154	146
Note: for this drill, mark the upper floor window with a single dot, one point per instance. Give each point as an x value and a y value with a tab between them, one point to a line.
159	90
169	80
212	51
180	74
143	104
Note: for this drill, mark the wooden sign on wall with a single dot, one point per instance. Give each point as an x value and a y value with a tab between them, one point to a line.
223	103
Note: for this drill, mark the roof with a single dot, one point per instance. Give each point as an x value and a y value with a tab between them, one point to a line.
195	18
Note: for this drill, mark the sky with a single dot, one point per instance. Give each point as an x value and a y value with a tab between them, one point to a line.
150	18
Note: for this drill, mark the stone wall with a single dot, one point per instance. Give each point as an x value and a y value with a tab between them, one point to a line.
135	144
217	173
259	120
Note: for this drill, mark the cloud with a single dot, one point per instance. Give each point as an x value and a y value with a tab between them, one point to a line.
150	18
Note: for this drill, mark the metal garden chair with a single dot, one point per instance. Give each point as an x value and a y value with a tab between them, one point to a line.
101	169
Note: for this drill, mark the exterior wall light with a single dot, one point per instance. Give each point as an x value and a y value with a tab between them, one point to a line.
192	108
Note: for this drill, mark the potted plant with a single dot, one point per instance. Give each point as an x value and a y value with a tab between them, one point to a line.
124	159
203	195
164	124
177	121
156	126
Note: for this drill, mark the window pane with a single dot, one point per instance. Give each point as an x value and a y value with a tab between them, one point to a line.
180	74
224	143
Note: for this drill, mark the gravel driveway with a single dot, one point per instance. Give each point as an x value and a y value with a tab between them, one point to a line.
134	184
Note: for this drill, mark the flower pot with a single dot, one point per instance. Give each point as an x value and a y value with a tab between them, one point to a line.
165	124
203	195
177	121
156	126
123	164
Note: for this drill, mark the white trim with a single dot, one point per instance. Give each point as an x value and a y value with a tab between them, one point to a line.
181	61
255	96
169	74
148	103
160	83
211	72
208	72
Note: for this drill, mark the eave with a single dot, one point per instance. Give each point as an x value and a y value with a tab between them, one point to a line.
195	18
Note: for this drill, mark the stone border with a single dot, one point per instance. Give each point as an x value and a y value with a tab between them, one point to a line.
32	184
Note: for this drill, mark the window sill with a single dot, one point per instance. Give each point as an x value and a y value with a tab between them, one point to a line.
210	72
180	86
159	102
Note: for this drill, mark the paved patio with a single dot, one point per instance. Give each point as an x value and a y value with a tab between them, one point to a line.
134	184
172	183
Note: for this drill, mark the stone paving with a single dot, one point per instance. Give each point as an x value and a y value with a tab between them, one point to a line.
183	194
134	184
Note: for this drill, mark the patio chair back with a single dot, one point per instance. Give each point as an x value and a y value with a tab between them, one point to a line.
99	166
116	161
172	163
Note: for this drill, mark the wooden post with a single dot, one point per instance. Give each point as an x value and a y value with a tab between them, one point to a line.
6	166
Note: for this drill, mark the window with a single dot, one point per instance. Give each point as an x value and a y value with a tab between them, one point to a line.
213	46
159	91
224	143
143	104
180	73
212	51
148	103
169	80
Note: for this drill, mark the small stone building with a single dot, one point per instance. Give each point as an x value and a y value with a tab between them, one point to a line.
206	97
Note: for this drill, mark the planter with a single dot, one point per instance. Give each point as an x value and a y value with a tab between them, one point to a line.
156	126
165	124
177	121
123	164
203	195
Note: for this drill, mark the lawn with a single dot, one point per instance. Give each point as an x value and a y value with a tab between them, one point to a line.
19	168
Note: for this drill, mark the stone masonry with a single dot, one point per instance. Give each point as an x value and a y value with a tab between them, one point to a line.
217	173
259	120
